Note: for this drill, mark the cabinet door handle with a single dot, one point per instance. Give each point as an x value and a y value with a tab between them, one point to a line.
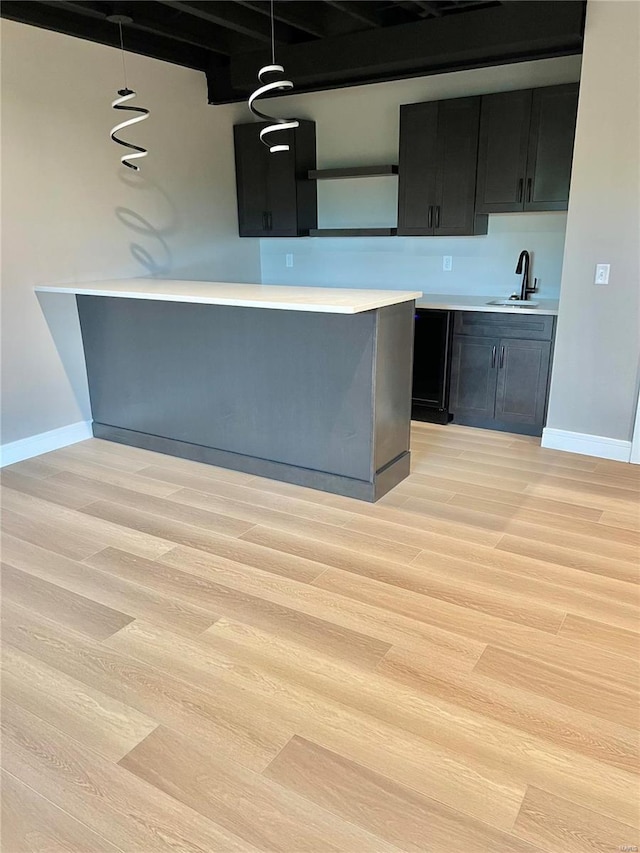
493	357
437	216
520	188
430	217
269	221
265	221
529	187
502	356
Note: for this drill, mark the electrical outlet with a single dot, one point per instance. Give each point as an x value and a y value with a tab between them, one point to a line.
602	274
288	259
447	263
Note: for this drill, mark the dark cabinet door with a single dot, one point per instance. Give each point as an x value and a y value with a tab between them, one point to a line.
457	155
437	168
523	374
417	168
275	197
526	149
281	189
553	124
502	151
473	378
252	172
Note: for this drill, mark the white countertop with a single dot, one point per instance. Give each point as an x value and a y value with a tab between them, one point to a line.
329	300
452	302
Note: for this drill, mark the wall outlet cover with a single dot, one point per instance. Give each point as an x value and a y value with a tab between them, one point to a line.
447	263
602	274
288	259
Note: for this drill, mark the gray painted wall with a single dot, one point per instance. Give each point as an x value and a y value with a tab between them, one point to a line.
481	265
359	125
71	213
595	374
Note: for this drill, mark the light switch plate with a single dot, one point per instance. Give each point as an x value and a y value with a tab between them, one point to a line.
602	274
288	259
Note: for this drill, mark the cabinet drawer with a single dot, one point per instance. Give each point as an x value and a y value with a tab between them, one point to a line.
486	324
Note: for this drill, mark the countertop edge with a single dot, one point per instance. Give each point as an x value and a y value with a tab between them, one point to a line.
310	307
488	309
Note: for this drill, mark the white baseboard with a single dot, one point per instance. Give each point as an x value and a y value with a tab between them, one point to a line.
589	445
26	448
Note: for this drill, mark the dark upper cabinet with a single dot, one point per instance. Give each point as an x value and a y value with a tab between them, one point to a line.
526	149
502	151
437	168
551	135
275	196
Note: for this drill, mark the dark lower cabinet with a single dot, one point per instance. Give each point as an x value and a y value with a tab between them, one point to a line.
473	378
523	376
500	371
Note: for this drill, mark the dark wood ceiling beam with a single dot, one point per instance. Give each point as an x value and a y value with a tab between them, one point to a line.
103	32
185	32
288	13
357	10
234	16
88	9
431	8
495	35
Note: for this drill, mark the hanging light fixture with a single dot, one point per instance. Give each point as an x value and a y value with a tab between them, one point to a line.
280	124
125	95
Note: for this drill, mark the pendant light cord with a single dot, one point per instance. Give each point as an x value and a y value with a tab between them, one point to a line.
124	67
273	38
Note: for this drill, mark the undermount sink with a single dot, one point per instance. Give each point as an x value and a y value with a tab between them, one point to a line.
516	303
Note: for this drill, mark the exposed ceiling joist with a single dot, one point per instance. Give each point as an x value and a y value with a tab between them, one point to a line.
288	14
234	16
322	43
430	8
187	32
359	11
511	32
103	32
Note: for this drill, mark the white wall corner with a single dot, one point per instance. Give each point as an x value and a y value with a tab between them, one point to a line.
35	445
589	445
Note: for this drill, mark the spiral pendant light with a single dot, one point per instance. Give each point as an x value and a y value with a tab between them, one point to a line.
268	135
124	95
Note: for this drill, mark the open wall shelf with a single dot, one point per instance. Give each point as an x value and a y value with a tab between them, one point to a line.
353	232
352	172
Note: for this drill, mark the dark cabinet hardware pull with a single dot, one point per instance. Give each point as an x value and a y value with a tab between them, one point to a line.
430	217
493	357
520	188
265	221
437	216
269	221
529	182
502	356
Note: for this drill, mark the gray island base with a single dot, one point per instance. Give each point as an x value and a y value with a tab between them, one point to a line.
310	397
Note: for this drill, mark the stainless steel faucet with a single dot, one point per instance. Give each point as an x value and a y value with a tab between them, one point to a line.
523	268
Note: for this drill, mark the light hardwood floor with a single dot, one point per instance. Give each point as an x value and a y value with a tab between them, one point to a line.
201	660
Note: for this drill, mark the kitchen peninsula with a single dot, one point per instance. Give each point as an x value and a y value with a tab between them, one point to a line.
307	385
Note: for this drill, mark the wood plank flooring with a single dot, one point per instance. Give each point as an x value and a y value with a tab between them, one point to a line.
200	660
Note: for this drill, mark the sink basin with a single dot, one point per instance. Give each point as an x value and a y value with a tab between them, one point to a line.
514	303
